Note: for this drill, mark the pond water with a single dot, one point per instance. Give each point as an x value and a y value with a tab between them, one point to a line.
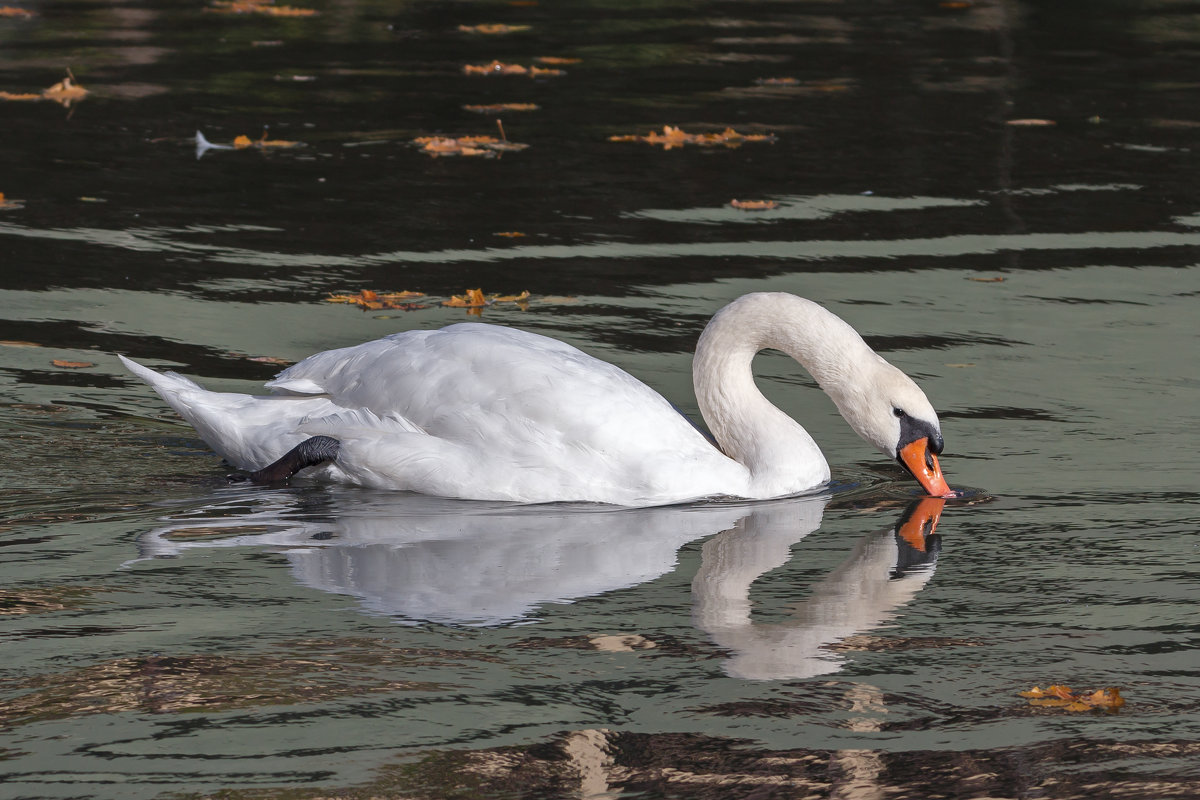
1001	195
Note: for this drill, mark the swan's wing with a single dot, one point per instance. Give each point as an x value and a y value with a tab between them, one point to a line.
513	415
475	381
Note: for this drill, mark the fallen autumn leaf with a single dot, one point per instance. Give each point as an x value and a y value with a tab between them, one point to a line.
753	205
675	137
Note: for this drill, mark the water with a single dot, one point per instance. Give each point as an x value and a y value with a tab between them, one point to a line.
167	634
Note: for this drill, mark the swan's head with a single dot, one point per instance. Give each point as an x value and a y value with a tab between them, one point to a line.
892	413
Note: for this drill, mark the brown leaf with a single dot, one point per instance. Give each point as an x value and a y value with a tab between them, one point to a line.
264	7
21	96
1057	696
987	280
10	11
1030	123
493	29
1109	697
675	137
472	299
500	68
753	205
377	301
486	146
17	343
557	60
509	234
65	92
58	362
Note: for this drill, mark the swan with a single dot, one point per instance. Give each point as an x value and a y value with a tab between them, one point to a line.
484	412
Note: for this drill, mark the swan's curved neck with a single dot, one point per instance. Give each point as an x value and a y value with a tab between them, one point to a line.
748	428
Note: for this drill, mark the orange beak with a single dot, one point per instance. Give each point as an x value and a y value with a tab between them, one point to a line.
921	521
923	464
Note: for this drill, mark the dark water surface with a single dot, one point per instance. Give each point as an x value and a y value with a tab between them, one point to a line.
166	634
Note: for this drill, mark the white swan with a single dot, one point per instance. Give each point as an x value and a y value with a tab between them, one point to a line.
490	413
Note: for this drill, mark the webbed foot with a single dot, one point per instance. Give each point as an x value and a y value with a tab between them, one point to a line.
308	453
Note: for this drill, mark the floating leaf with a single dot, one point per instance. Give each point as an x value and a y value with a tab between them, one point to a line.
493	29
557	60
377	301
512	298
17	343
65	91
1030	123
10	11
472	299
58	362
1058	696
242	141
998	279
753	205
500	68
265	7
269	360
500	108
954	5
675	137
486	146
509	234
10	205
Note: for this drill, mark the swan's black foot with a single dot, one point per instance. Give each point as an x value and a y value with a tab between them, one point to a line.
308	453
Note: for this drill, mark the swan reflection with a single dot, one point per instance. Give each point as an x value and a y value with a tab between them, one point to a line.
420	559
883	572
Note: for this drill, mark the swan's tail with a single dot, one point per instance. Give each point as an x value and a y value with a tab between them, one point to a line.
246	430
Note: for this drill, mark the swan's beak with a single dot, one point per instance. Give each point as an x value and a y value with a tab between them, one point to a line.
918	459
920	521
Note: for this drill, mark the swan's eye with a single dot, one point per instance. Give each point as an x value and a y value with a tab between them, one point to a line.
898	413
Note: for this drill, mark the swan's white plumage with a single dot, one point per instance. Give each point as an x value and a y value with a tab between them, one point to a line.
491	413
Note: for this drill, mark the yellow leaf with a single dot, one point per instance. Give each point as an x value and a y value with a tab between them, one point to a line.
1109	697
17	343
9	11
22	96
472	299
1030	123
242	142
58	362
753	205
512	298
65	92
672	137
505	234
